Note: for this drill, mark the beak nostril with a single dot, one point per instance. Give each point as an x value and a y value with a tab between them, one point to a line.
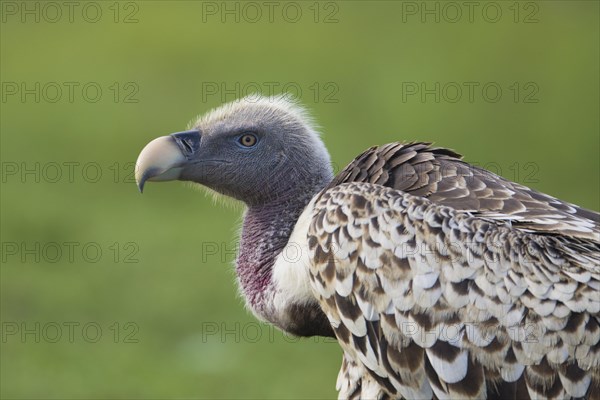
187	145
188	141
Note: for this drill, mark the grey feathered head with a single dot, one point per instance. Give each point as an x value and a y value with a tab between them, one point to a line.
253	149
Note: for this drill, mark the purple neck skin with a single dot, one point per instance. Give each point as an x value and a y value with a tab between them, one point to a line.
265	233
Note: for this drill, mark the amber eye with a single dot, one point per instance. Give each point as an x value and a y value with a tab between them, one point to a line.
247	140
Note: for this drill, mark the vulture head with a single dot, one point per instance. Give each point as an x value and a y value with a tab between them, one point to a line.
265	152
255	149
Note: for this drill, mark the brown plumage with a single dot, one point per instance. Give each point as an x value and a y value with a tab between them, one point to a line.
441	176
444	280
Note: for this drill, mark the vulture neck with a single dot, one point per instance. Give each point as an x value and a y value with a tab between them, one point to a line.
266	230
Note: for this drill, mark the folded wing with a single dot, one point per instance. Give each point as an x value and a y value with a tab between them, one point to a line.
456	299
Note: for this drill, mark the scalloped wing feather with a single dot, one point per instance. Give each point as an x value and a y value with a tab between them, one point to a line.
441	176
434	301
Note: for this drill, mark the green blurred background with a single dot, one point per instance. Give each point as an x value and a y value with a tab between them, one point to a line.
163	291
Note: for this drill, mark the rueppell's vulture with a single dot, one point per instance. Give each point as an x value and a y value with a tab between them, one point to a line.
439	279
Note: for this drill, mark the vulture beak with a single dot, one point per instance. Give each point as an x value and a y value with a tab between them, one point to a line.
164	158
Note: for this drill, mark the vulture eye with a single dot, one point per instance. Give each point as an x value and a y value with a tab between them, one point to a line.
248	140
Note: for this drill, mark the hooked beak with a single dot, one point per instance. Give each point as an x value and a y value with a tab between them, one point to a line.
164	158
